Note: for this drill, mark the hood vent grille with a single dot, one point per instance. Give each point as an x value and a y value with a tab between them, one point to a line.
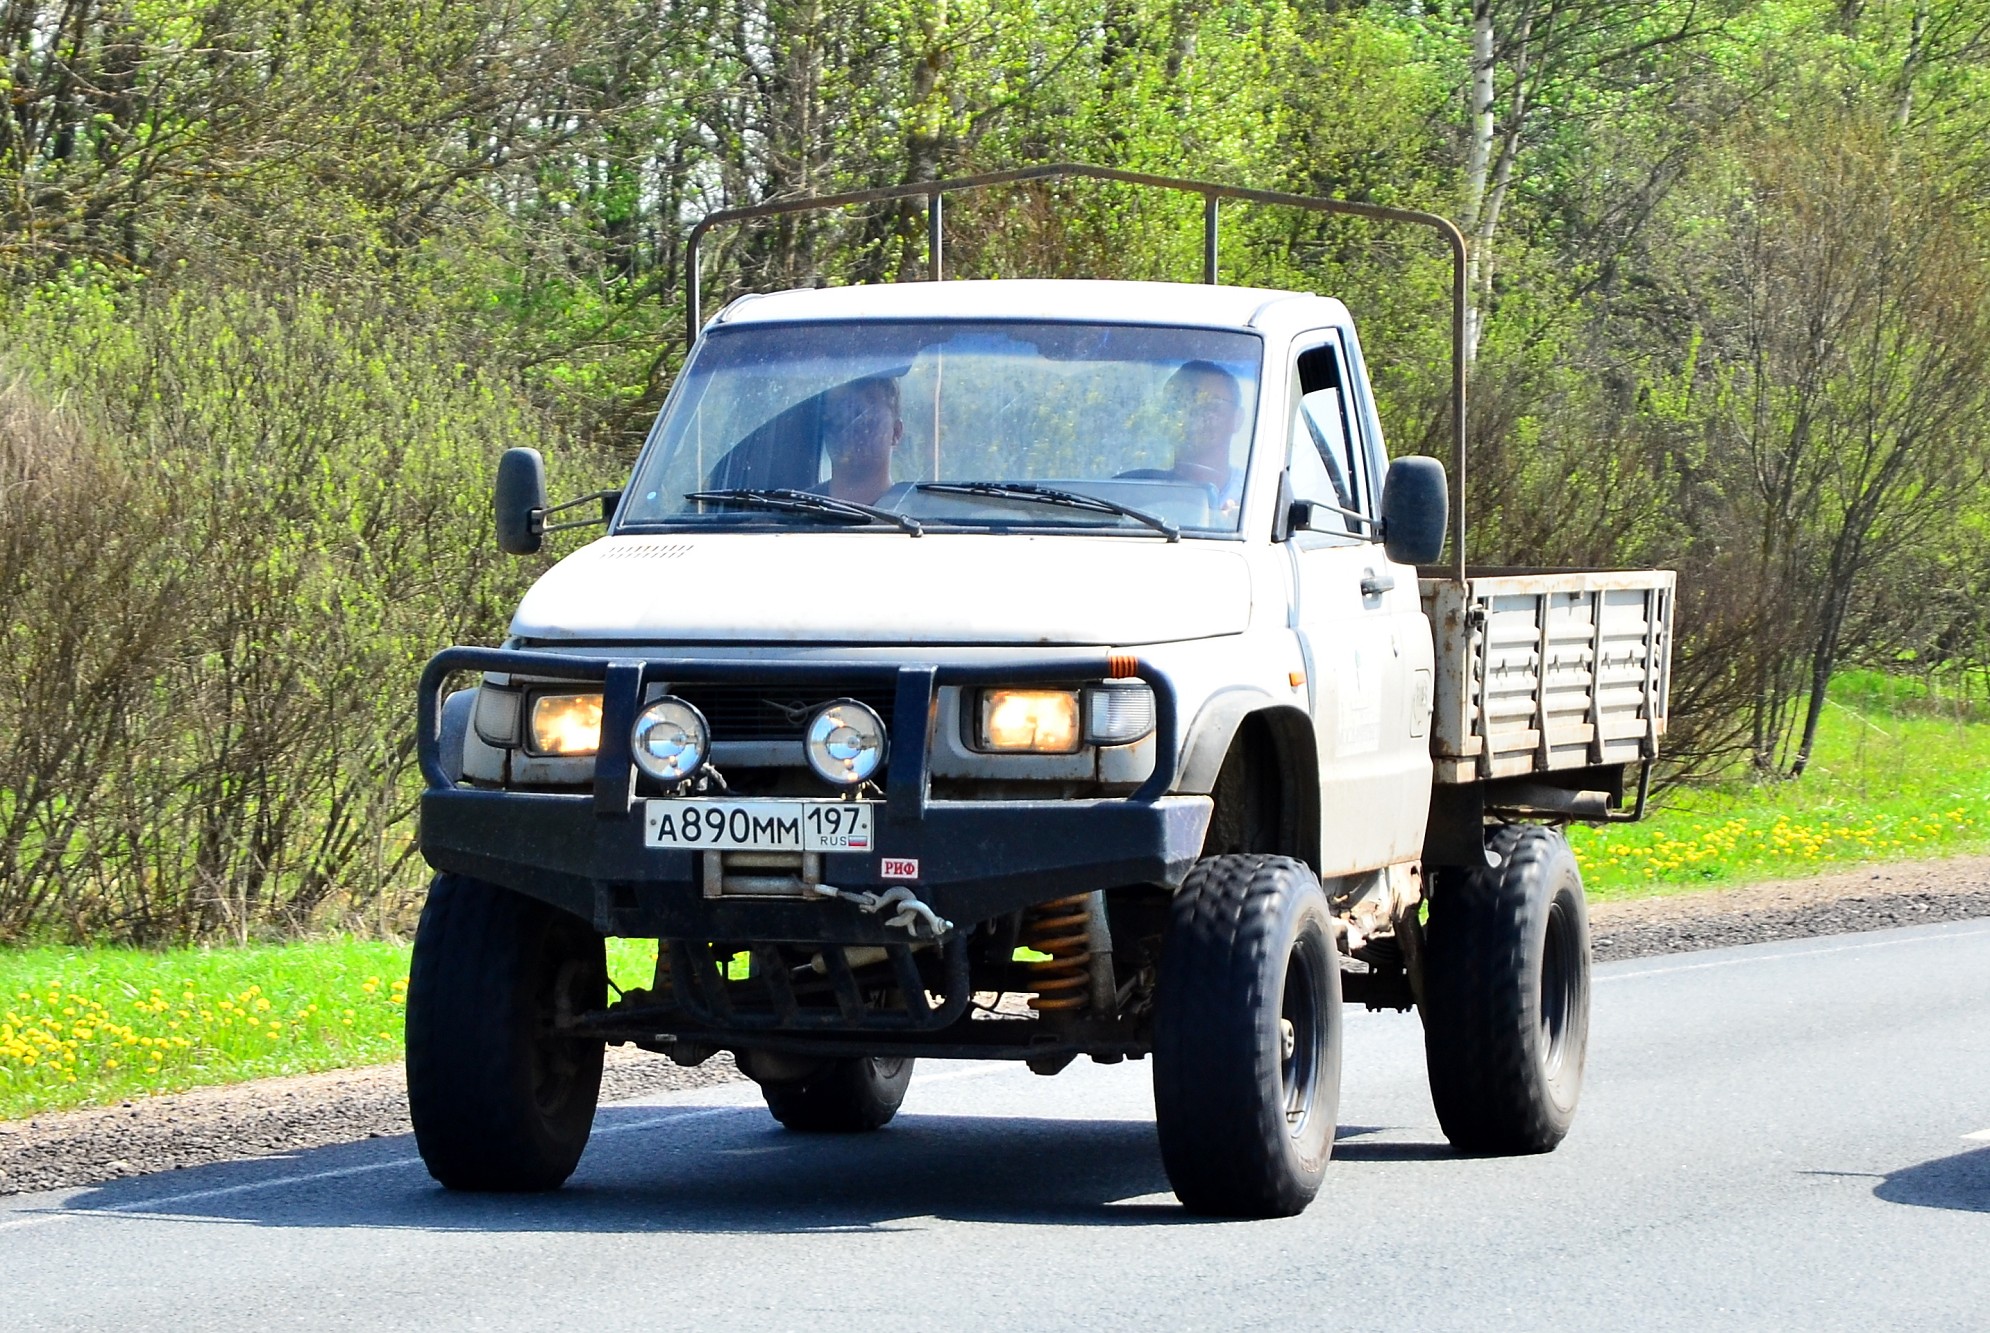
740	711
647	551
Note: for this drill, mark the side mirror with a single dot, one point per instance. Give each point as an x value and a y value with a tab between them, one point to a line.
1415	505
1281	520
520	501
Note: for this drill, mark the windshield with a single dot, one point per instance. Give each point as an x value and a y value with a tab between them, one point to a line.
1153	422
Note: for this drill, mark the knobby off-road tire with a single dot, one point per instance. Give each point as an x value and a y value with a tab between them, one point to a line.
842	1097
1506	1003
1247	1038
498	1101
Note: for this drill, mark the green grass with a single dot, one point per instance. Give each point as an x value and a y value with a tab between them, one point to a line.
1897	773
82	1027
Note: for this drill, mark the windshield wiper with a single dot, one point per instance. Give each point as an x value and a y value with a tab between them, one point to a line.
808	502
1022	490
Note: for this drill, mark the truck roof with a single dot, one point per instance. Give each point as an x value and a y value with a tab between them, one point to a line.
1170	303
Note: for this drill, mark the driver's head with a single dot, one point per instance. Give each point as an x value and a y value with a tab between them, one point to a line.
1208	404
861	425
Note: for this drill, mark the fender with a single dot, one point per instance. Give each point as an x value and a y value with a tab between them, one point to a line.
1210	735
455	730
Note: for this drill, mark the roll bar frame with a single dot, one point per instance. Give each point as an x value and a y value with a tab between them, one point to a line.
1212	193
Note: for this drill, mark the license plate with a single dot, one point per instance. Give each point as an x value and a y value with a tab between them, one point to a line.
759	826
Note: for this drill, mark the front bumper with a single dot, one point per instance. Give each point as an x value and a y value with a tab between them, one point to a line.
584	852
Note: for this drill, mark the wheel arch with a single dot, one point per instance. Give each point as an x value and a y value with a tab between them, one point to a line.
1272	742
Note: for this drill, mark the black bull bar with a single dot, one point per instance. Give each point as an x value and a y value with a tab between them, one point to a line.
585	852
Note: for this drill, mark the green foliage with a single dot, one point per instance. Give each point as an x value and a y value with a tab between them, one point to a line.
279	280
273	512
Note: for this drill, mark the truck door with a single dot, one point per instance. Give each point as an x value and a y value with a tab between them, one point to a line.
1360	624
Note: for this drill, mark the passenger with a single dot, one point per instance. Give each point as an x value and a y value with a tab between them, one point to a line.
860	428
1208	404
1205	405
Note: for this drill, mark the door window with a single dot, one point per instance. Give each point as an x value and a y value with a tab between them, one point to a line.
1327	462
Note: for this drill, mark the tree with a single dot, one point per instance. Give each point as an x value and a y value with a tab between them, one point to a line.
1849	340
1534	61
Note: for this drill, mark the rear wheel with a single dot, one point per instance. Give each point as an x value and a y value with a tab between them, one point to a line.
1247	1038
847	1096
500	1100
1506	995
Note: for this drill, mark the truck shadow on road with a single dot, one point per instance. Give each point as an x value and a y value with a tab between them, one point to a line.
721	1169
1352	1145
1960	1181
652	1169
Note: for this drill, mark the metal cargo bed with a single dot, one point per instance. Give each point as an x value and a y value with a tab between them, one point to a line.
1539	670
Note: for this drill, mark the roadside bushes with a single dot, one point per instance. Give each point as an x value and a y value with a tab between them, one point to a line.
234	526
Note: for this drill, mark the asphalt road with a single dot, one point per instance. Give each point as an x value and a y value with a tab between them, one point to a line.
1790	1136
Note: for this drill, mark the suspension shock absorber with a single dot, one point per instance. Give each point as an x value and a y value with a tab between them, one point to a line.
1060	928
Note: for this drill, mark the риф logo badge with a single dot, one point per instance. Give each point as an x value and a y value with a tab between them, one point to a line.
897	867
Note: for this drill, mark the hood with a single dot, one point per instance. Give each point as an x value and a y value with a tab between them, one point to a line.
877	587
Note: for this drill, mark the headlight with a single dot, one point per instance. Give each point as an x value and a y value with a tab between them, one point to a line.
670	739
566	723
1118	712
1028	721
845	743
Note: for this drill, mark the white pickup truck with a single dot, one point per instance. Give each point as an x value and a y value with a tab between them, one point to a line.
1023	670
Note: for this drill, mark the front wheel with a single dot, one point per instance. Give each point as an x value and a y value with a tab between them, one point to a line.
1247	1038
499	1097
1506	995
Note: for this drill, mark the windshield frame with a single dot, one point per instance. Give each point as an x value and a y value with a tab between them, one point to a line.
1024	522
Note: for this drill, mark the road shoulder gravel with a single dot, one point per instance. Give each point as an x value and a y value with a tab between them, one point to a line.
1876	897
261	1118
269	1117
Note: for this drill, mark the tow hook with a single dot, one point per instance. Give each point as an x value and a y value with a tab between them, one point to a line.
910	917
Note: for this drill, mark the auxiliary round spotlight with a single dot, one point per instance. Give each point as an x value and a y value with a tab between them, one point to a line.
670	739
845	743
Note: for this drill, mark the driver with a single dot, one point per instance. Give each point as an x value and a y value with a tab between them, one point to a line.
860	428
1208	404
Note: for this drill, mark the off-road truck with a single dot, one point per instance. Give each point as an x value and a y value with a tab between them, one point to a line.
1024	670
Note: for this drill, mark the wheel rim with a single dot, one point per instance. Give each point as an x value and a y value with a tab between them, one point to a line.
556	1058
1303	1036
1558	988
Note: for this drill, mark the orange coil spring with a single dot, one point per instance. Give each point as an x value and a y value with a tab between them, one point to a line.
1059	928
